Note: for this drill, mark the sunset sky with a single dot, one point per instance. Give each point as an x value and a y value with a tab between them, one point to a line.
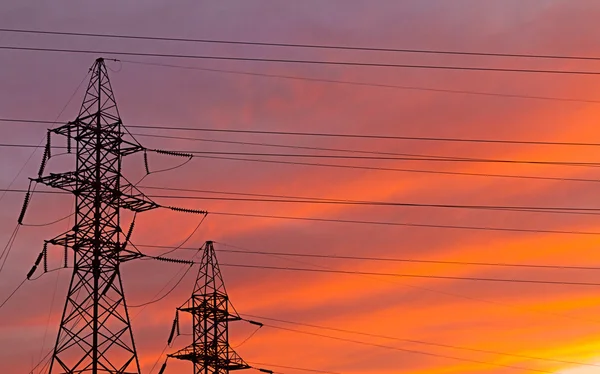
558	325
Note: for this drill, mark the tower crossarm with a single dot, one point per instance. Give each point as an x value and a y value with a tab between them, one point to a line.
212	357
135	200
79	129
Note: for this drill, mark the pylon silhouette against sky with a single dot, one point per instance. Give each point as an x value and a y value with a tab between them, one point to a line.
211	312
95	332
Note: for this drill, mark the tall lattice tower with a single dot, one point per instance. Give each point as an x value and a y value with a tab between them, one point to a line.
95	332
211	313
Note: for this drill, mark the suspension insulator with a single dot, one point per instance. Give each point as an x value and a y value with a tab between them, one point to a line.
69	139
254	323
40	256
177	319
146	162
66	255
194	211
45	253
173	328
43	164
109	284
172	153
128	237
48	144
25	204
33	269
162	368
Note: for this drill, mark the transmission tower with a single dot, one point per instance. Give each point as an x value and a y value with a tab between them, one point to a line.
211	313
95	333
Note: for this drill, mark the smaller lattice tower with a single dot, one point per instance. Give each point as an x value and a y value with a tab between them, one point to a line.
211	313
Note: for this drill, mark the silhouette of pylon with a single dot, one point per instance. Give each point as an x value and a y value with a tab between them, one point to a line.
95	332
211	312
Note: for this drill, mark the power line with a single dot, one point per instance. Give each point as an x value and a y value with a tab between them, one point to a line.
402	170
387	223
13	293
574	211
406	157
405	350
478	279
338	135
303	45
414	157
52	123
311	199
292	368
305	62
379	259
390	259
314	200
365	84
291	146
320	327
157	299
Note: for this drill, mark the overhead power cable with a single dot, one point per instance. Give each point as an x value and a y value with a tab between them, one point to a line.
387	337
293	368
412	351
377	223
302	62
390	259
328	135
366	84
13	293
291	146
314	200
317	200
573	211
52	123
379	259
407	157
422	225
402	170
423	276
398	275
302	45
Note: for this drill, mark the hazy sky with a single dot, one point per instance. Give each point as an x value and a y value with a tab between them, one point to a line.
548	321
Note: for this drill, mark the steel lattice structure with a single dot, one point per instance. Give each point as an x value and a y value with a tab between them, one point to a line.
211	313
95	333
